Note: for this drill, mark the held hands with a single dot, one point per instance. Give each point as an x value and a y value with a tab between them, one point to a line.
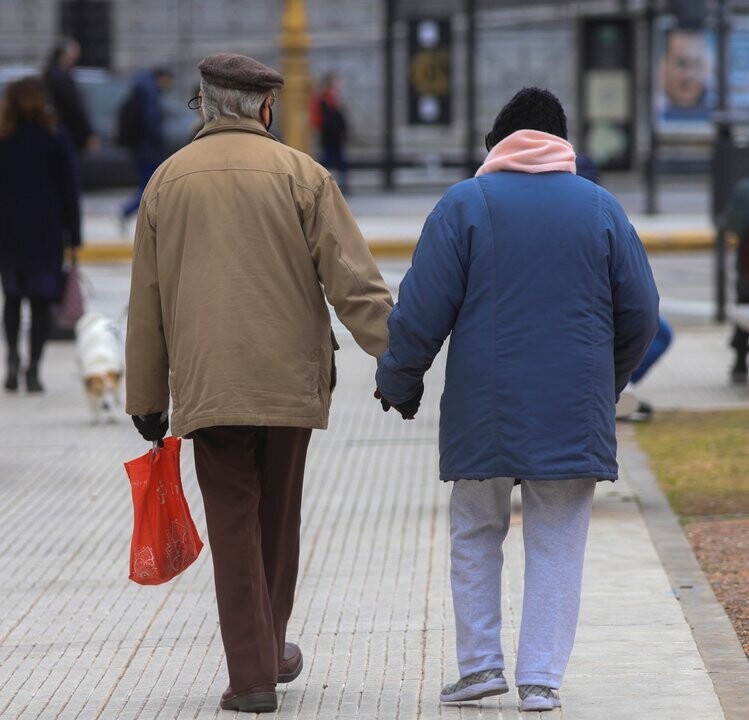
152	427
385	404
407	409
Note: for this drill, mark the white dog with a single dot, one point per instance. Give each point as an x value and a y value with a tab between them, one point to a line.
99	350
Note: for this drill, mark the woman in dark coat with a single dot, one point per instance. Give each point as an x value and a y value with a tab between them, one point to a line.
39	215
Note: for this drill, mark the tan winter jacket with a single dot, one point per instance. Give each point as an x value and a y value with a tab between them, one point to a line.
238	236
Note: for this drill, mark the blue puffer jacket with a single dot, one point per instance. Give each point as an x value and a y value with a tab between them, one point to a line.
550	300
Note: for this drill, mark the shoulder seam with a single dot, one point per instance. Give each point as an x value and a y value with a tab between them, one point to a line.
304	186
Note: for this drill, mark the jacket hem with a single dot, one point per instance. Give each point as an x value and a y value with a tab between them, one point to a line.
183	429
596	475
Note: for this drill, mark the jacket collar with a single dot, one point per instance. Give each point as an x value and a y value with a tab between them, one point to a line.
234	124
530	151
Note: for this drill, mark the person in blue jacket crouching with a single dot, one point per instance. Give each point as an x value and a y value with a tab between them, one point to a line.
546	291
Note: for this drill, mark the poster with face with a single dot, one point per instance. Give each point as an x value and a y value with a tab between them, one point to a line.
684	80
738	63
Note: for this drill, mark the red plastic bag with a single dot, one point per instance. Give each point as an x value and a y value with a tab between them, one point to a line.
165	540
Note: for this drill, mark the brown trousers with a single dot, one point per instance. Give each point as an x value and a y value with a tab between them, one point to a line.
251	481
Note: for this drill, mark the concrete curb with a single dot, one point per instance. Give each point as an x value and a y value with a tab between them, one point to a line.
101	253
716	639
677	241
403	247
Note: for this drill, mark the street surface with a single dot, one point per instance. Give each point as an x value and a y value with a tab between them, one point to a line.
373	614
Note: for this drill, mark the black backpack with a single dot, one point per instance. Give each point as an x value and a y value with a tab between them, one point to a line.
128	121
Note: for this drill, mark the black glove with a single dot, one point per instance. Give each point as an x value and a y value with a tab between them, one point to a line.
152	427
407	409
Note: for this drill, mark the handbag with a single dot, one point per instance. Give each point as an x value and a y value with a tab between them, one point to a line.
165	541
72	305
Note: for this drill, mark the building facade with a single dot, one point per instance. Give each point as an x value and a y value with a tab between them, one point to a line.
487	50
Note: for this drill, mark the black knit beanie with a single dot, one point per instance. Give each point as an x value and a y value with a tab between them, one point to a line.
530	109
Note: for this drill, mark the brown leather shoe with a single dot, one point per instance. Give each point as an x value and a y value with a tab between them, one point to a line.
257	702
292	663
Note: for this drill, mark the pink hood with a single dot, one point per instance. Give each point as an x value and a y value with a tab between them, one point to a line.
530	151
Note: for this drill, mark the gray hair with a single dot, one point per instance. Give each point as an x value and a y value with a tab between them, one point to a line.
221	102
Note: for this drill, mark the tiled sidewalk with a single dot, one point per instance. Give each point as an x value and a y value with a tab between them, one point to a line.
373	613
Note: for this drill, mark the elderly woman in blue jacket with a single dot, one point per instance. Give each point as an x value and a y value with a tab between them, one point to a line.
546	291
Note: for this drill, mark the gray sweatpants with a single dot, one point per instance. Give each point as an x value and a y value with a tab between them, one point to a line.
556	516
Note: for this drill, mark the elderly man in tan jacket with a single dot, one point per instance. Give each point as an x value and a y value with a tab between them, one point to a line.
238	237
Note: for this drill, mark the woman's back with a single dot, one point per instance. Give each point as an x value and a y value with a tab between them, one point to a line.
38	197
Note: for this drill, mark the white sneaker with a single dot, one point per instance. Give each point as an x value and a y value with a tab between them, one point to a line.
475	686
538	698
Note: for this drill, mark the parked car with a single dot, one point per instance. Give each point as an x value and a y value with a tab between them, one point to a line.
111	166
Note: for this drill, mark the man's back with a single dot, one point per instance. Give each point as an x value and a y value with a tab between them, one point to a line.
242	237
245	303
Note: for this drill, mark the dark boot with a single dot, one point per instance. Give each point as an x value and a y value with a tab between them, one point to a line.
11	379
740	343
739	370
254	702
291	664
32	380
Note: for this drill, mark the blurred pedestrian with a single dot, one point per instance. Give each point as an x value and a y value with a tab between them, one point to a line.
546	291
630	406
39	207
237	238
65	96
333	128
145	134
736	220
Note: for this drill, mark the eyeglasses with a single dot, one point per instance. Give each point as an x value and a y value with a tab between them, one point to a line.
197	102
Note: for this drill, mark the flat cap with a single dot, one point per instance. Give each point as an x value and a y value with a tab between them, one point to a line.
239	72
